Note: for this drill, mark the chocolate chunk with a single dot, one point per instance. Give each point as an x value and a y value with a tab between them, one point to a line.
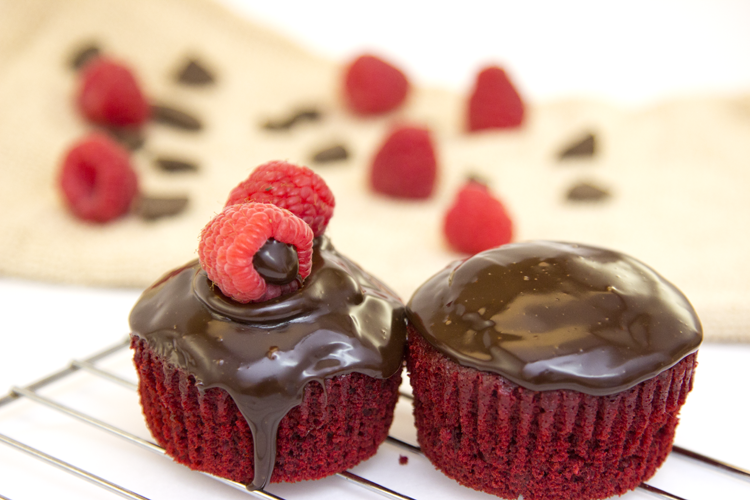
584	191
83	55
582	148
174	165
167	115
277	262
334	153
153	207
309	114
194	73
477	178
129	137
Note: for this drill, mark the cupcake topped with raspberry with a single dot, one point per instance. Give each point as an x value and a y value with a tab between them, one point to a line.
272	357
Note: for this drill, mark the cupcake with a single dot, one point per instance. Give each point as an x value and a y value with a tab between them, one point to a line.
272	357
549	370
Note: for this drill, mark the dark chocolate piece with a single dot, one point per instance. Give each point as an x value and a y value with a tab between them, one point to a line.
194	73
582	148
584	191
174	165
550	315
334	153
309	115
478	179
83	55
341	320
277	262
131	138
152	207
167	115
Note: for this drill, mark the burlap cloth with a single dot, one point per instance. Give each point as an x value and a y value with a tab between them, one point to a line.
678	174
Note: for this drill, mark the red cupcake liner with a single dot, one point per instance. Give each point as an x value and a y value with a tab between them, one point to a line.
334	428
493	435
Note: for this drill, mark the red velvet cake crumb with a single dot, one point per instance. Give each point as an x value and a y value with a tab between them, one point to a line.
333	429
493	435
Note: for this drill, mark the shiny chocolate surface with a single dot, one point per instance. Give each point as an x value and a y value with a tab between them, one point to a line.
551	315
263	354
277	262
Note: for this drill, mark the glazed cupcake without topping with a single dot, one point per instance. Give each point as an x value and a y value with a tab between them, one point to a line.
549	370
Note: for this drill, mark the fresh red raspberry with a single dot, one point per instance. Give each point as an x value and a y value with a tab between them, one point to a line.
297	189
97	179
477	221
495	103
232	238
405	166
373	86
109	94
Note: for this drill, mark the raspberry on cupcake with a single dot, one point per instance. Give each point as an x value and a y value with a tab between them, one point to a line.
272	358
295	188
549	370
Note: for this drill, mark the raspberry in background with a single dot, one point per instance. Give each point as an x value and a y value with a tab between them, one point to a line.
494	102
373	86
109	94
295	188
232	238
97	180
477	221
406	164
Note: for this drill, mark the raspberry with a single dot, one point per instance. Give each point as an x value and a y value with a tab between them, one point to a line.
231	240
109	94
495	103
97	180
405	166
477	221
373	86
297	189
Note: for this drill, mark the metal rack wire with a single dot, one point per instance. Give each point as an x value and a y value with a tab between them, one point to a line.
91	367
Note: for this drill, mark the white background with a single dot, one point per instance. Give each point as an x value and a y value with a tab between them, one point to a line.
634	53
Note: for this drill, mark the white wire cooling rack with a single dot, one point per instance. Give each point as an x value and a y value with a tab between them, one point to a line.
104	384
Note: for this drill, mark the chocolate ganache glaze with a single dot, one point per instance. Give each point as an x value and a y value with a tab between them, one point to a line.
340	321
551	315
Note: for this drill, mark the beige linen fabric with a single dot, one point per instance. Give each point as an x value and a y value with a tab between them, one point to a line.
679	173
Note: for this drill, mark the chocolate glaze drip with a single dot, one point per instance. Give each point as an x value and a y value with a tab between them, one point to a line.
550	315
264	354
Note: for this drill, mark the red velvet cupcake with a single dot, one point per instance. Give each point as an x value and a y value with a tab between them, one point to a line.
293	377
549	370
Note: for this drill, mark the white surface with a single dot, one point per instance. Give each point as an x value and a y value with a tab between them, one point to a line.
634	54
631	52
75	323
